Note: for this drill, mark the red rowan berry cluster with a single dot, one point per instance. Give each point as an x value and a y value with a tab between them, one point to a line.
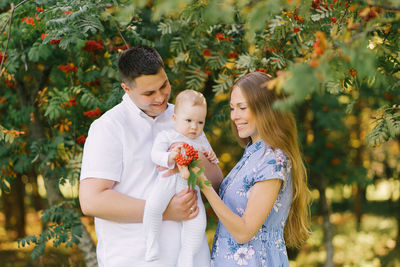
122	47
92	113
190	155
80	139
207	72
28	20
2	56
10	83
233	54
207	53
299	18
96	82
67	68
71	103
261	70
353	72
221	37
55	41
91	46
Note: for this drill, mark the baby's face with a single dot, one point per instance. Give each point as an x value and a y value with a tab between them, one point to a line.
189	120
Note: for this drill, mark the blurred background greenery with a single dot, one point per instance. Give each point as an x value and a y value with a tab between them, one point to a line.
337	61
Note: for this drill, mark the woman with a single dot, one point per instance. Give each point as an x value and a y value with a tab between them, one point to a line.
263	203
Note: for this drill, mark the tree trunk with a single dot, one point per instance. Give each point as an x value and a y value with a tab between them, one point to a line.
14	208
19	211
27	98
37	201
88	248
359	199
86	243
358	204
398	225
327	226
7	209
398	208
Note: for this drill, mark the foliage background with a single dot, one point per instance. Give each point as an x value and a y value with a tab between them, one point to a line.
338	62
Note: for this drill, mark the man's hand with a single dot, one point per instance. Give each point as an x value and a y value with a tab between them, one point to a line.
182	207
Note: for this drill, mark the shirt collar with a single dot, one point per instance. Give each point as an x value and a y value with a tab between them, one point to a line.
251	148
132	106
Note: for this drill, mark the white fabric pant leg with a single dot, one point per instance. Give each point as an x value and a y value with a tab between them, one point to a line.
192	234
156	203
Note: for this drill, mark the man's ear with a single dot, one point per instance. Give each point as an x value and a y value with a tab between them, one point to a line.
125	87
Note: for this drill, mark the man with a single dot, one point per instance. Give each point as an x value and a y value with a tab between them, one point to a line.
117	172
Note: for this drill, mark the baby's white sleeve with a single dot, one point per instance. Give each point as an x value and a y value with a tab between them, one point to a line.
159	153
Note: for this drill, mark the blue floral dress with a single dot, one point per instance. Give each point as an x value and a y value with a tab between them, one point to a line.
267	248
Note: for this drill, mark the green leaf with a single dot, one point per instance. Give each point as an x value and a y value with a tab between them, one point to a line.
33	53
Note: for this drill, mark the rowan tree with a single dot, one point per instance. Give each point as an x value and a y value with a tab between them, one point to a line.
333	59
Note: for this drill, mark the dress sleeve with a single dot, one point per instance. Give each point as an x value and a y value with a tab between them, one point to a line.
159	154
273	165
103	150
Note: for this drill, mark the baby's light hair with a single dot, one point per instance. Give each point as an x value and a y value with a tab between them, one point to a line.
190	96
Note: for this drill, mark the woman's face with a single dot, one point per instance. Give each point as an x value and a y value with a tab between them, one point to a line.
242	117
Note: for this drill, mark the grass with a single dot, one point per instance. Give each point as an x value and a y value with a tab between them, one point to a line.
372	246
367	247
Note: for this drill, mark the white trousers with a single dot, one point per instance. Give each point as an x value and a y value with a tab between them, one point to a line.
192	230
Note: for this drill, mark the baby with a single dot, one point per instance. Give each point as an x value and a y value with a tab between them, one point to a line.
189	117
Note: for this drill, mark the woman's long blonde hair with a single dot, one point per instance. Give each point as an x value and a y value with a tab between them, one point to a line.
279	130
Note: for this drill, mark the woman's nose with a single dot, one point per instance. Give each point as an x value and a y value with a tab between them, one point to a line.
234	115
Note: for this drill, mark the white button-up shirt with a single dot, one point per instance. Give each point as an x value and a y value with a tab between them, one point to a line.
118	148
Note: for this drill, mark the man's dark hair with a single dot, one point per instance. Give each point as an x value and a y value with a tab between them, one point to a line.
137	61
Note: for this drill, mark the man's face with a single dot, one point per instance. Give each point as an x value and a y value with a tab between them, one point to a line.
150	93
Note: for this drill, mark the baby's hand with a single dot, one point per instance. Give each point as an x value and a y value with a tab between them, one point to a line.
210	155
172	155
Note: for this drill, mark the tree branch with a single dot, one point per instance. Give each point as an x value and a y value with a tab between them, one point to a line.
389	8
42	82
24	57
5	24
361	34
120	33
9	21
8	39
